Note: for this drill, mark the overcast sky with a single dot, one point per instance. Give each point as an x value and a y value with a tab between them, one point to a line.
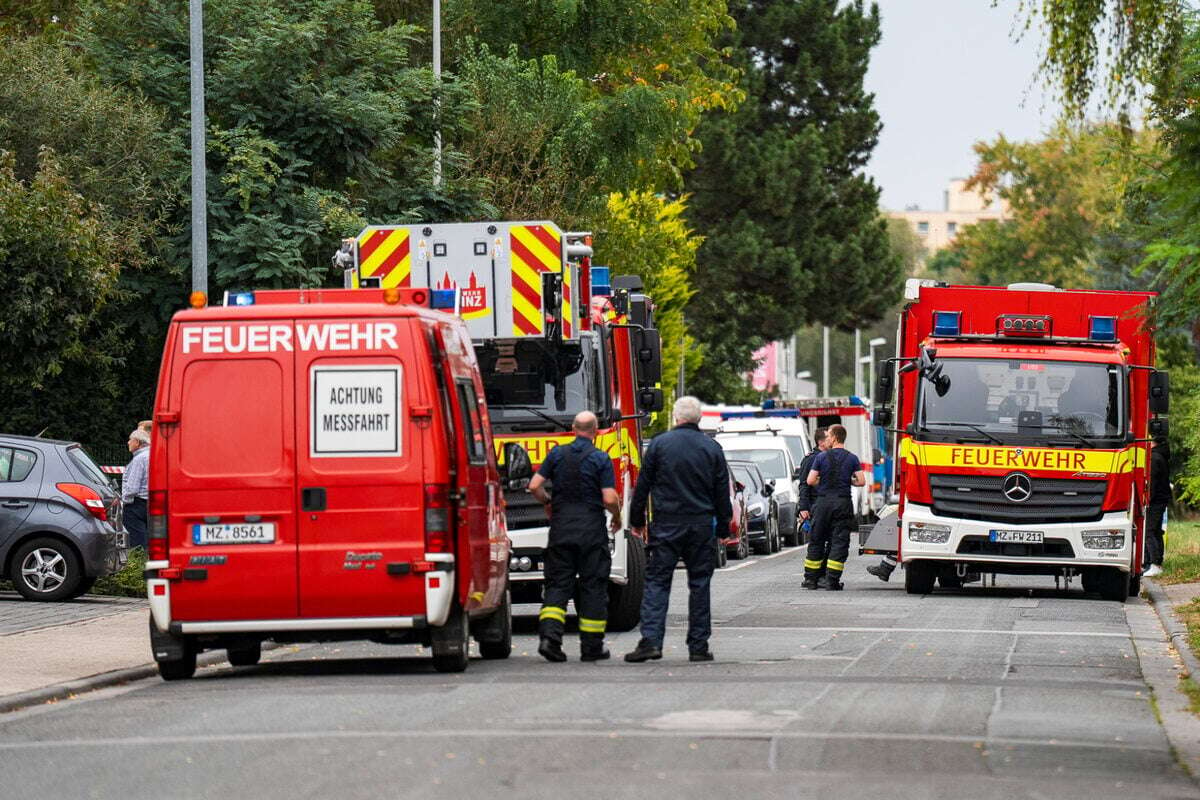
947	74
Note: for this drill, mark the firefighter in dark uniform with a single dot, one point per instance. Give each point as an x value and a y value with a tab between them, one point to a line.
807	497
577	555
685	475
833	473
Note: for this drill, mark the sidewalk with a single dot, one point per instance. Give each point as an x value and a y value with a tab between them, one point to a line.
45	645
1166	600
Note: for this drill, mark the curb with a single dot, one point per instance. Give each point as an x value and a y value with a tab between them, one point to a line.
1177	633
68	689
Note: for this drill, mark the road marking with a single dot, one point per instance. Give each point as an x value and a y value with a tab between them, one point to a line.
988	632
630	733
759	559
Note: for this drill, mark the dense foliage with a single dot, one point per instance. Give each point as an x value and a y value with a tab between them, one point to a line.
791	223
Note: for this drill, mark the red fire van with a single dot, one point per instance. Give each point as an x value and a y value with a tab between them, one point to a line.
323	469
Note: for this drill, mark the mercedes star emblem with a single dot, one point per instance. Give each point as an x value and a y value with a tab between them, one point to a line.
1017	487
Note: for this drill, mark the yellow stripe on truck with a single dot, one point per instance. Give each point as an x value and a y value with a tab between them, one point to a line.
1042	459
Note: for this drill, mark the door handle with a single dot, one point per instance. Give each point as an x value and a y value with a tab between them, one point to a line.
14	504
312	499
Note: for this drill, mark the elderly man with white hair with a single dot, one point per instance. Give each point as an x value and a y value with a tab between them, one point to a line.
686	479
135	487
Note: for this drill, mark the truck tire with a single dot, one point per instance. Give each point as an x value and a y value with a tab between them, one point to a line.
1090	581
494	634
451	642
246	655
1113	584
919	577
625	602
1135	585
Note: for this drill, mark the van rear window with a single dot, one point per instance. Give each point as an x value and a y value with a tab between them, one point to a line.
231	422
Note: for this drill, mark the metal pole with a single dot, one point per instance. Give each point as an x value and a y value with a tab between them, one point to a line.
437	100
199	167
825	361
871	367
858	388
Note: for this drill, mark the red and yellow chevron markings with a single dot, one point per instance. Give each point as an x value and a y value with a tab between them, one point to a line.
535	249
385	253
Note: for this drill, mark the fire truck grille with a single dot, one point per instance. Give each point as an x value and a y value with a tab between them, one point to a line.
982	497
522	510
980	546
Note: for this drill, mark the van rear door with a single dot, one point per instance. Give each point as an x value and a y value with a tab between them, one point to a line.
359	472
231	471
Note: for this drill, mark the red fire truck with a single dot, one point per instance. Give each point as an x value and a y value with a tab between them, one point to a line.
553	337
1022	419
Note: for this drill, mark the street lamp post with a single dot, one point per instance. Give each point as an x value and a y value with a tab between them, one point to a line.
199	166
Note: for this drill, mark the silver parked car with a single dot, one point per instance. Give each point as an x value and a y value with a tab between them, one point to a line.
60	519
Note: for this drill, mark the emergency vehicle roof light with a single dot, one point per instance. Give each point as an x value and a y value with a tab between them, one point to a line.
1023	325
1102	329
239	298
947	323
442	299
197	299
600	281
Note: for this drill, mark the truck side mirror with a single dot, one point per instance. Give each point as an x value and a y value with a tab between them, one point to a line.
885	382
517	469
1160	392
650	400
1159	428
649	356
882	417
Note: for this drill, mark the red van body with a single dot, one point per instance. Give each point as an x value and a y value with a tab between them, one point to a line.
323	469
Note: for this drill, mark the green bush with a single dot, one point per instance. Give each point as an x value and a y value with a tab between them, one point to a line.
129	581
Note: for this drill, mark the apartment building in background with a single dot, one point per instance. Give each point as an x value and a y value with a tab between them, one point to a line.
960	208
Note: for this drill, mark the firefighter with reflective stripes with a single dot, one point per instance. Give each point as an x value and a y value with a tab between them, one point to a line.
577	554
833	472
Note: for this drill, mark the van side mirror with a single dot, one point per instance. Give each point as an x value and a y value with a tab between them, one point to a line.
768	487
797	475
1160	392
1159	428
884	383
738	486
516	470
882	417
649	357
650	400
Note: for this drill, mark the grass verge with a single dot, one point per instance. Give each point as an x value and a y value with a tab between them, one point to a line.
1182	561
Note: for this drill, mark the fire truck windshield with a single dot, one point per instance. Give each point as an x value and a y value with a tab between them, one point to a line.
1025	402
522	392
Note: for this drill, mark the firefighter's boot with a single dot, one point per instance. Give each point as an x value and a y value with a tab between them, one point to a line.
591	647
884	569
551	650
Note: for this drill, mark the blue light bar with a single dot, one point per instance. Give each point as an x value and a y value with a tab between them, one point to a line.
1102	329
442	299
239	299
779	413
601	281
947	323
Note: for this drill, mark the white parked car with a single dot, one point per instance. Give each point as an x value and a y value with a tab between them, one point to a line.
774	459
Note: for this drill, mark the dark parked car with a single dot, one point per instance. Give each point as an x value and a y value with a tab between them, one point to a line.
761	509
60	519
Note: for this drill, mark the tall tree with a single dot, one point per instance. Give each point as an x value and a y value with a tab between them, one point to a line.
791	223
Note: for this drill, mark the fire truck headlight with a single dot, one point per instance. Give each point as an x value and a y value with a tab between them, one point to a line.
1108	539
928	533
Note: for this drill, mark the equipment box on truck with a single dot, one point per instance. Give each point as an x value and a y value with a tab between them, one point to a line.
1023	416
323	470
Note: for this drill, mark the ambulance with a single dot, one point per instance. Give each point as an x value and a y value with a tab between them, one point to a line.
1023	416
323	470
554	335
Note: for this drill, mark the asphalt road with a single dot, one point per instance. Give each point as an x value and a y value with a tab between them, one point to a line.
996	693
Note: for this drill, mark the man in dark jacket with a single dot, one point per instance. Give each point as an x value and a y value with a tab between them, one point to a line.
685	475
806	500
1160	496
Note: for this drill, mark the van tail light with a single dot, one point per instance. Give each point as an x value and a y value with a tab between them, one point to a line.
87	497
437	518
156	534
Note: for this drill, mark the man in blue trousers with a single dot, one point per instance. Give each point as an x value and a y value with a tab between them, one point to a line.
685	477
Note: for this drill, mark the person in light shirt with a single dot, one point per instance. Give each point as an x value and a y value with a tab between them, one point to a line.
135	487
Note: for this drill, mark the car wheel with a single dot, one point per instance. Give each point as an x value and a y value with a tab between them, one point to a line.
743	548
722	555
244	656
46	570
775	545
84	587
